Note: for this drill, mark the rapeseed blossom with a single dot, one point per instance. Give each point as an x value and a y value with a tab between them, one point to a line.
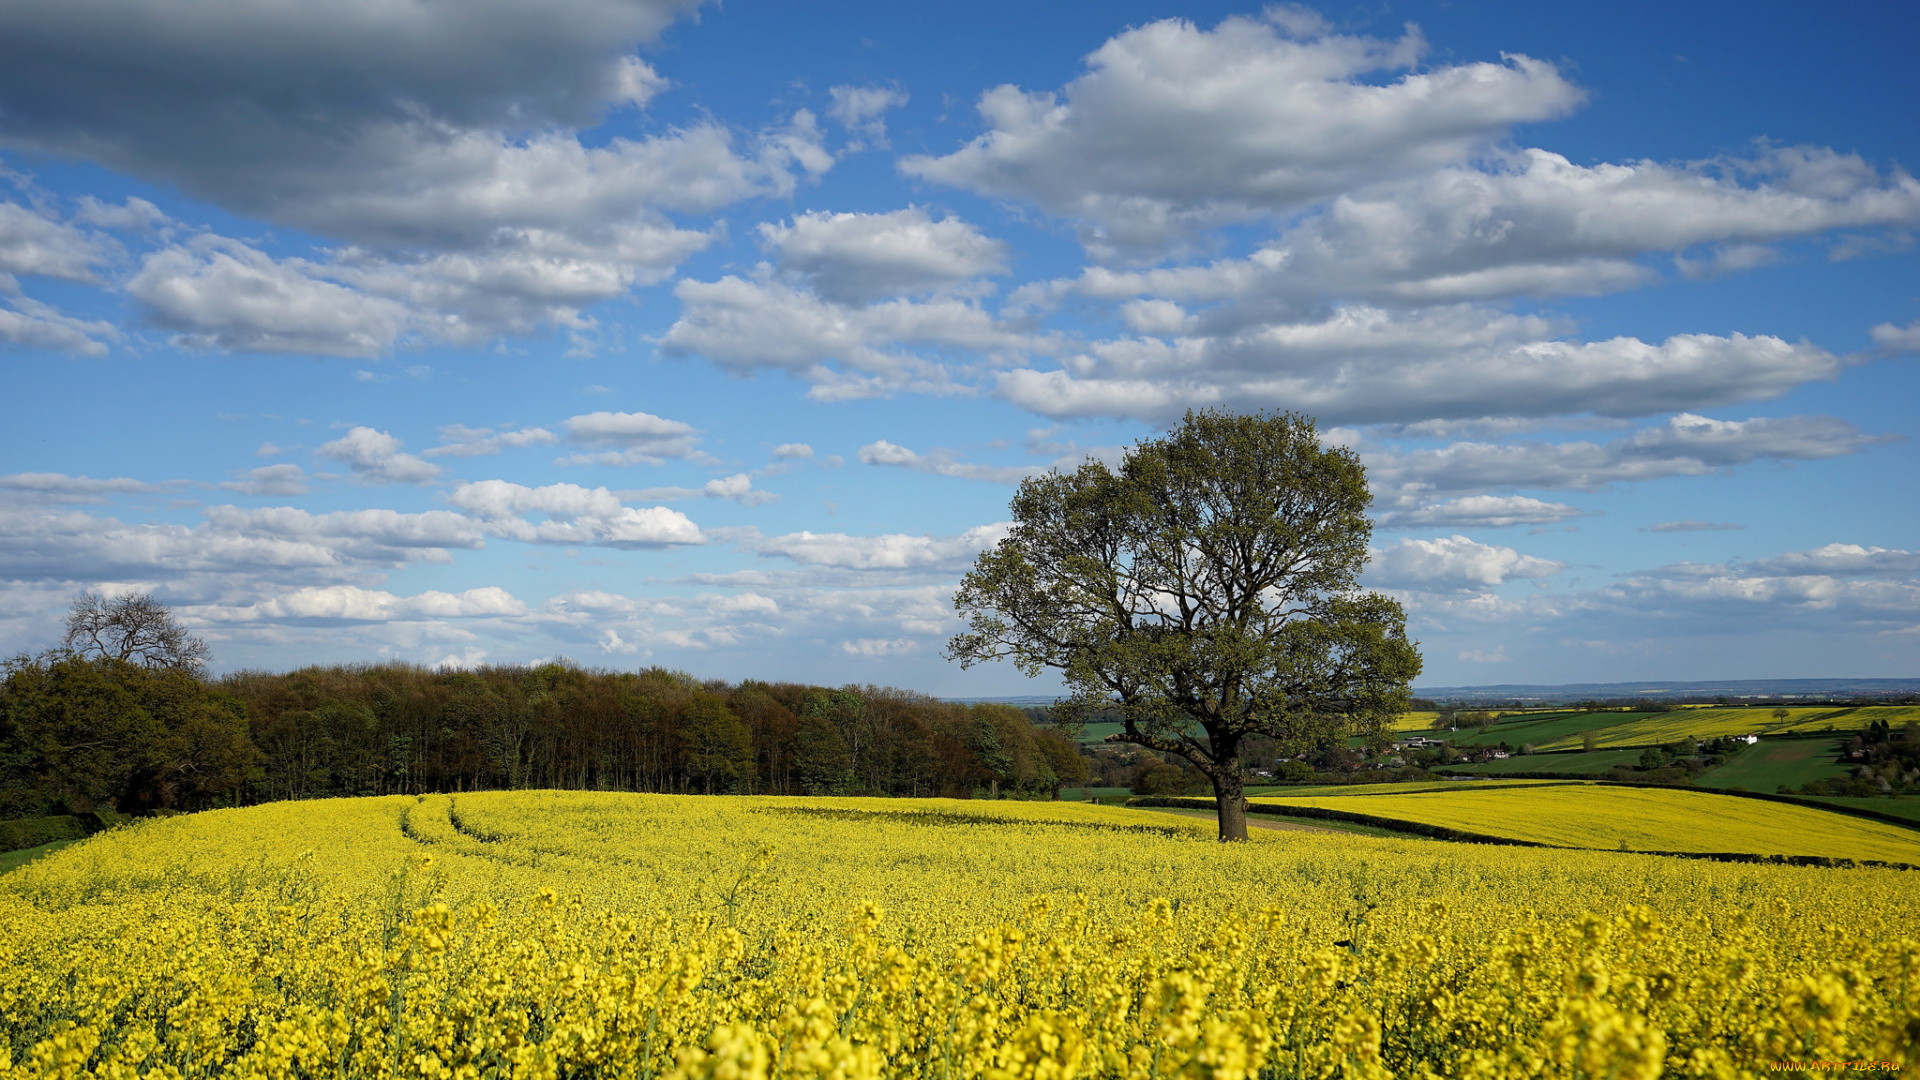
540	934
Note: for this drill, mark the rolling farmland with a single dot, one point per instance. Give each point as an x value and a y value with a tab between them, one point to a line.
1640	819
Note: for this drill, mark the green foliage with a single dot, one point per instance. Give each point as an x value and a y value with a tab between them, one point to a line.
33	832
80	734
1206	591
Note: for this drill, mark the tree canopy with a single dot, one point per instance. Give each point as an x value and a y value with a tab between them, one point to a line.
1207	590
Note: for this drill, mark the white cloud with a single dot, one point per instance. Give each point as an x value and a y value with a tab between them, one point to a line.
793	451
371	533
1897	339
1807	585
1483	511
134	214
31	324
1373	365
49	487
1174	128
943	462
231	550
31	243
1838	560
441	149
351	604
736	488
458	440
892	551
574	515
375	458
1686	445
223	294
635	438
875	648
282	480
860	257
863	109
1455	562
744	325
1533	223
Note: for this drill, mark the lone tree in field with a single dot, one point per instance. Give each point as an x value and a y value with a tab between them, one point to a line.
1207	591
135	628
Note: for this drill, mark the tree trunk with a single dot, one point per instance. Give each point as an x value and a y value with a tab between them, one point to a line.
1228	800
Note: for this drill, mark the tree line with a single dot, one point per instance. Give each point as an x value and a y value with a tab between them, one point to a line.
86	728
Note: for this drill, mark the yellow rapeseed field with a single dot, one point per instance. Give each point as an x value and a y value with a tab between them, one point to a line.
542	934
1712	723
1637	819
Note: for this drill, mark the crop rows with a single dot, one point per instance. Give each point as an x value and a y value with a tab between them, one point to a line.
578	934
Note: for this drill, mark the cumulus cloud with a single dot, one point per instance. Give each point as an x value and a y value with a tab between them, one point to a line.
860	257
1377	365
35	244
232	549
892	551
281	480
440	148
348	603
1483	511
793	451
573	515
1173	127
375	458
634	438
1845	584
1454	562
943	462
1532	223
845	351
223	294
458	440
1686	445
1897	339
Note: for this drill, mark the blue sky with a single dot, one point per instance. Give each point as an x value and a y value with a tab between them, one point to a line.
649	332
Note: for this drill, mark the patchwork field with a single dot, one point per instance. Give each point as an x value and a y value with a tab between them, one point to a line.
1596	763
1660	728
1766	765
1640	819
574	934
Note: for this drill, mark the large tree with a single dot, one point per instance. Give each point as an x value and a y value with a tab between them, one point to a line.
1207	590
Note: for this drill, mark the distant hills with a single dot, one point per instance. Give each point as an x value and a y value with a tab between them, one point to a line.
1548	694
1769	689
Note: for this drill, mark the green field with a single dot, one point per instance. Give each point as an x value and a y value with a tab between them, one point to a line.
1592	764
1402	788
1770	763
1082	794
1547	729
13	860
1906	806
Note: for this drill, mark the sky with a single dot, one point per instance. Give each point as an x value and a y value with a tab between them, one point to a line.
718	337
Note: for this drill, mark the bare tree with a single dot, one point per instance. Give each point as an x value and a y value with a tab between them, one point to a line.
135	628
